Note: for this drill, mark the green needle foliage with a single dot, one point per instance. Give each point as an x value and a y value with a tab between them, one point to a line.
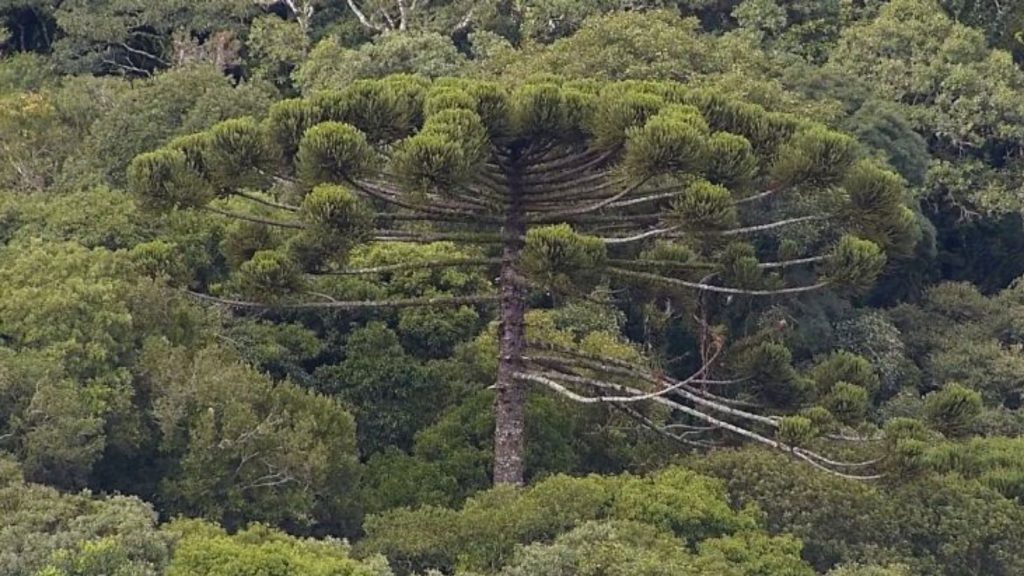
562	183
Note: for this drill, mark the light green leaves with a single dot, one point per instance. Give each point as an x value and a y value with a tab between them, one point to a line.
562	261
332	152
816	156
854	264
447	151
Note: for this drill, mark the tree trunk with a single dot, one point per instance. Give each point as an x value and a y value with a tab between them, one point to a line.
509	407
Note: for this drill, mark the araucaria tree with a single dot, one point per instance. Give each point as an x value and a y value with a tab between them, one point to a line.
565	187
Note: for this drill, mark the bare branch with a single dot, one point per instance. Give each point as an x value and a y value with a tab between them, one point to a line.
712	288
263	201
391	197
664	264
803	454
427	237
564	214
350	305
362	17
255	219
648	198
635	395
771	225
670	385
650	425
415	266
462	24
641	236
573	163
403	15
756	197
794	262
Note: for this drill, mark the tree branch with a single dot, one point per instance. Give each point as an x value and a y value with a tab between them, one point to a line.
794	262
414	266
641	236
362	17
255	219
712	288
350	305
563	214
803	454
263	201
771	225
427	237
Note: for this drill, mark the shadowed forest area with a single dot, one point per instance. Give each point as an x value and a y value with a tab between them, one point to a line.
511	287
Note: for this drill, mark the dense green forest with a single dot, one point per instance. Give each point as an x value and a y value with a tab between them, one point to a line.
511	288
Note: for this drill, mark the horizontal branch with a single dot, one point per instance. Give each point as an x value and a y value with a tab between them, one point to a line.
549	199
350	305
572	163
670	385
641	263
648	198
255	219
263	201
641	236
429	237
561	215
454	262
635	395
425	217
794	262
771	225
562	183
713	288
630	220
760	196
390	197
651	425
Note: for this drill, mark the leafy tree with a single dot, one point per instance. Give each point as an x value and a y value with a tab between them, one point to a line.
843	522
619	547
44	532
127	122
136	38
74	319
97	218
248	450
620	45
331	64
206	549
542	171
1001	22
276	48
385	17
31	146
868	570
956	334
956	91
394	399
674	505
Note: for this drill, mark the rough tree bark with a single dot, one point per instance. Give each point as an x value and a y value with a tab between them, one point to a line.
509	409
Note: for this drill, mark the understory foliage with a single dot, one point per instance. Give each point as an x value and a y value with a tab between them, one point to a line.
545	288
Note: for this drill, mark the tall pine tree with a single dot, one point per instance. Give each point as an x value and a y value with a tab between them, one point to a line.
560	187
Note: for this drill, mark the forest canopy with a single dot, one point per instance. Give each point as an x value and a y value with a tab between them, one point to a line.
396	287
